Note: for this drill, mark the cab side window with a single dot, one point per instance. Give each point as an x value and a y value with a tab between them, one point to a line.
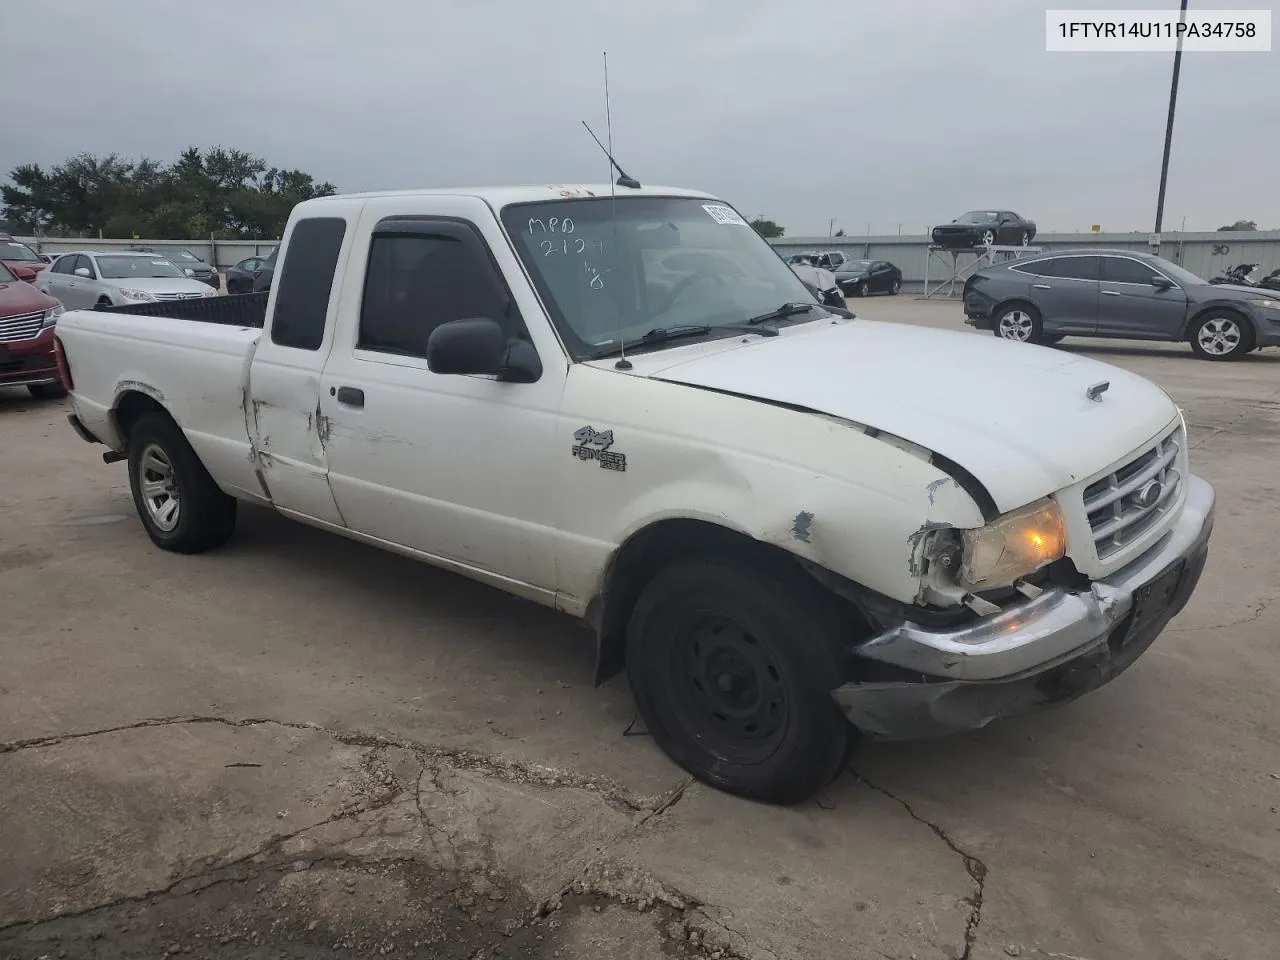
305	282
424	273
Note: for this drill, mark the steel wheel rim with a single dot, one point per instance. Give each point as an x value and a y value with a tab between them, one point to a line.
158	485
1219	336
1016	325
728	690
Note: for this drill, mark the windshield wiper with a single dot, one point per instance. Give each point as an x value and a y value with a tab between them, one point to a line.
788	309
664	334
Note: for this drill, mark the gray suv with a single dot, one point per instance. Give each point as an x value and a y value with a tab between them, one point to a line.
1120	294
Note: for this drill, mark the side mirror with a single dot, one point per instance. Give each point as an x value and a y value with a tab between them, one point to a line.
479	346
26	274
1161	282
82	272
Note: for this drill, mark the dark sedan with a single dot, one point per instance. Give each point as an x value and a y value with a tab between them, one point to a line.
862	278
1121	294
243	277
188	263
985	228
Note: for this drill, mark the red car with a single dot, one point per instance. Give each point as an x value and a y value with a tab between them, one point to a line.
21	260
27	352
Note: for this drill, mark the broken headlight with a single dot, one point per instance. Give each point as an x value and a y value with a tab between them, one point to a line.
1013	546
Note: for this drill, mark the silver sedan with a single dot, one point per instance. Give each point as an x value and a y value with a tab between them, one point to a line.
84	279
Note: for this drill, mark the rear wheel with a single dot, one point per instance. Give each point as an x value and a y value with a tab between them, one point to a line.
47	391
732	668
864	289
1221	336
896	286
1019	322
180	505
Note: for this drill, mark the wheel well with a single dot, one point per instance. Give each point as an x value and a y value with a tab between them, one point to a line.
636	562
131	407
1014	302
1235	312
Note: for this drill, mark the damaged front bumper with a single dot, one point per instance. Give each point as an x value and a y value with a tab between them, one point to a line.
1051	649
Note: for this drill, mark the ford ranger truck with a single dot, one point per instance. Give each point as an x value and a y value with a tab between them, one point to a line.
788	525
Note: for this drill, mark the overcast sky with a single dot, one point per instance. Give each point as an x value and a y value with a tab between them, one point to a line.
880	112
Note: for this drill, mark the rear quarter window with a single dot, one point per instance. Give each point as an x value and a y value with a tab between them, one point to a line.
304	282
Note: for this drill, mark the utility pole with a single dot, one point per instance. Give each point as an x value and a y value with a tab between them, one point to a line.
831	226
1168	131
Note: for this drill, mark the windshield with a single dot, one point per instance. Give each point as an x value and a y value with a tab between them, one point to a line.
185	256
855	266
6	276
979	216
658	263
116	267
1177	274
17	250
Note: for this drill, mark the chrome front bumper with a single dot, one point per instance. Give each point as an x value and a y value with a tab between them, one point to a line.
1052	648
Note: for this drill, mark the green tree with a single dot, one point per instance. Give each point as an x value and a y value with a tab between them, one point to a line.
767	228
1240	225
219	191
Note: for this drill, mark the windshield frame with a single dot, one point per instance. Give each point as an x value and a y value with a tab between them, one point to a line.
581	351
100	258
13	242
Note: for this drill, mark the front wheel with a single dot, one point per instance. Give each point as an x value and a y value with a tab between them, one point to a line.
1026	237
180	505
732	669
1221	336
988	238
1020	323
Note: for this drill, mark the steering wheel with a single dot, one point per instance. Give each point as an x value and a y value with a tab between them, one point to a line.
681	286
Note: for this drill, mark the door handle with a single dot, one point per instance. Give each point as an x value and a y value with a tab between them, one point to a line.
351	396
1041	286
1110	293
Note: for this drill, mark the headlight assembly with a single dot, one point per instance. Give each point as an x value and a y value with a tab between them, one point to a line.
131	294
1266	304
51	316
1013	546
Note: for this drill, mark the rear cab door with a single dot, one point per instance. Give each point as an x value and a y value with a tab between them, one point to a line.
282	412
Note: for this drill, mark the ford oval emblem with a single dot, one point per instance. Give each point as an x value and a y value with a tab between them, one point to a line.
1149	495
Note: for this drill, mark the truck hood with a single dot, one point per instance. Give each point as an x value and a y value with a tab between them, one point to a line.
1014	415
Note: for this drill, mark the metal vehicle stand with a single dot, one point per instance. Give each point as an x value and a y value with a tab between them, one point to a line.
956	266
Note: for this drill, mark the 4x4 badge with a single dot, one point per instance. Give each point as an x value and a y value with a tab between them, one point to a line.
593	444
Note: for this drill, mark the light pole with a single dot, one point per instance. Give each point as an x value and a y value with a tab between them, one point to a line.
1168	130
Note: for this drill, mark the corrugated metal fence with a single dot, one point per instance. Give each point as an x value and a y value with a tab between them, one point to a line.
1205	254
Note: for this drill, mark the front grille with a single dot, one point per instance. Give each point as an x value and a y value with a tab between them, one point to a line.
177	296
1125	504
22	327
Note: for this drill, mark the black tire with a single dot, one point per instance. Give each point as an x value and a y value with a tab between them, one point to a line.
1212	333
1030	323
47	391
105	301
772	643
205	516
1026	237
864	289
893	290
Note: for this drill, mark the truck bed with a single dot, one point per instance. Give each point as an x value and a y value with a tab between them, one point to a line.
235	310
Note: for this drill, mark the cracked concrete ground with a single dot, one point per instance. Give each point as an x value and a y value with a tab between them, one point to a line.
301	747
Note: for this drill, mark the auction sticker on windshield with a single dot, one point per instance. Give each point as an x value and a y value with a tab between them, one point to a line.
722	214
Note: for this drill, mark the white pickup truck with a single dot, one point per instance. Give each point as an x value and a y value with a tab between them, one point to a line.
787	524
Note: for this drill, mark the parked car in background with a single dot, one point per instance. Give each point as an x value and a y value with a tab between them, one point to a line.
85	279
47	257
862	278
23	262
242	276
189	263
27	319
985	228
821	283
827	260
1118	293
262	281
